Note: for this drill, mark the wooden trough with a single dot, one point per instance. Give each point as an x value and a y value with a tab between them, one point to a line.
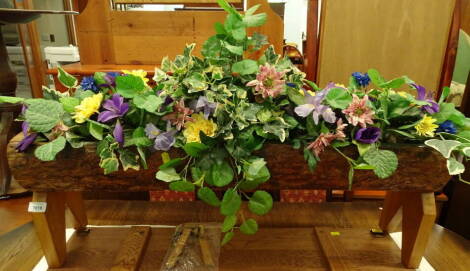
421	172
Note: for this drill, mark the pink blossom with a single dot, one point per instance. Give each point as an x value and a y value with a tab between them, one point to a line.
180	115
268	82
340	129
322	141
358	112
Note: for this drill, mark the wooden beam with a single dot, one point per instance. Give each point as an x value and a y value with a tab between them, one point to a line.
74	201
391	213
132	249
311	50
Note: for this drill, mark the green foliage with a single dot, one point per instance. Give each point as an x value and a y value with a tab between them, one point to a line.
66	79
47	152
229	223
194	149
168	175
129	86
69	103
338	98
43	115
260	203
149	102
208	196
182	186
231	202
385	162
245	67
445	147
249	226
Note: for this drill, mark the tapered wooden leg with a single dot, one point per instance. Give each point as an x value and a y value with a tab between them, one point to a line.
74	201
50	227
419	214
391	214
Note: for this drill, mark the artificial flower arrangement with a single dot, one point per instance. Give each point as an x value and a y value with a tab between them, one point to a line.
221	108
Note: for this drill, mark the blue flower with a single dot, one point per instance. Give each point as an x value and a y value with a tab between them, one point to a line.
362	79
88	83
447	127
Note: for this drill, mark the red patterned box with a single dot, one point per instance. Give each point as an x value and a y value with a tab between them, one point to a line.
168	195
310	196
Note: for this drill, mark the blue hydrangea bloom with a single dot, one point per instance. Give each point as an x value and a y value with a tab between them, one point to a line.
447	127
362	79
88	83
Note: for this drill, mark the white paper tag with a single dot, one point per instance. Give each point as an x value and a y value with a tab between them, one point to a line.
37	207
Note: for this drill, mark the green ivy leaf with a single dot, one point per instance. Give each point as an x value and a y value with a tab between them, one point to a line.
139	138
129	159
254	20
445	147
11	100
168	175
194	149
43	115
66	79
454	166
227	237
260	203
229	223
222	174
231	202
69	103
172	163
47	152
109	165
182	186
129	85
245	67
338	98
238	50
208	196
149	102
384	161
249	227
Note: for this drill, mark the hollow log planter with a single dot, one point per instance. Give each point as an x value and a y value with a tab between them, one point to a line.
410	196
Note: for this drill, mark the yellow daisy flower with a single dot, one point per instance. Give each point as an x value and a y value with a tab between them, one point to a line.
426	126
139	73
192	129
87	107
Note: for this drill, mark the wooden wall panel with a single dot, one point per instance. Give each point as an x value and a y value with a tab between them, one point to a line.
400	37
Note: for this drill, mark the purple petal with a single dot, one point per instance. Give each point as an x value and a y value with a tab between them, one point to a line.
118	133
164	141
25	142
328	115
25	128
152	131
109	105
118	100
316	117
304	110
106	116
368	135
421	91
123	109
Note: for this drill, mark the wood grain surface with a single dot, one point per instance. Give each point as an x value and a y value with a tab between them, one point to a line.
132	249
400	37
78	170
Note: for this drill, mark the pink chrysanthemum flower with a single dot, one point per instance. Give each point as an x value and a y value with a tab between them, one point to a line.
358	112
268	82
340	129
180	115
322	141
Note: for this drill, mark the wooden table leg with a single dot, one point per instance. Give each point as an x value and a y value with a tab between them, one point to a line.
50	227
419	214
391	215
74	201
6	118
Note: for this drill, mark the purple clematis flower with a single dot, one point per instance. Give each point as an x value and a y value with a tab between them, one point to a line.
368	135
313	106
27	139
116	107
162	140
427	96
118	133
202	104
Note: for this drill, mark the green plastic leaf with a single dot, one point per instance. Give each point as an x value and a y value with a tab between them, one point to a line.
227	237
95	130
375	77
231	202
208	196
129	86
466	151
255	20
385	162
249	226
194	149
362	148
168	175
394	83
43	115
129	159
445	147
11	100
182	186
238	50
245	67
150	103
69	103
229	223
260	203
66	79
252	10
47	152
338	98
445	93
52	94
211	47
222	174
454	166
228	8
139	138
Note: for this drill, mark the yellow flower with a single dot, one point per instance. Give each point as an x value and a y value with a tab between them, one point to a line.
87	107
404	94
139	73
191	132
426	126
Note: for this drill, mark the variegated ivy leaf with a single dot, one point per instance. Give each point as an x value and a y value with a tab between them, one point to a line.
445	147
466	151
159	75
66	79
454	166
52	94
